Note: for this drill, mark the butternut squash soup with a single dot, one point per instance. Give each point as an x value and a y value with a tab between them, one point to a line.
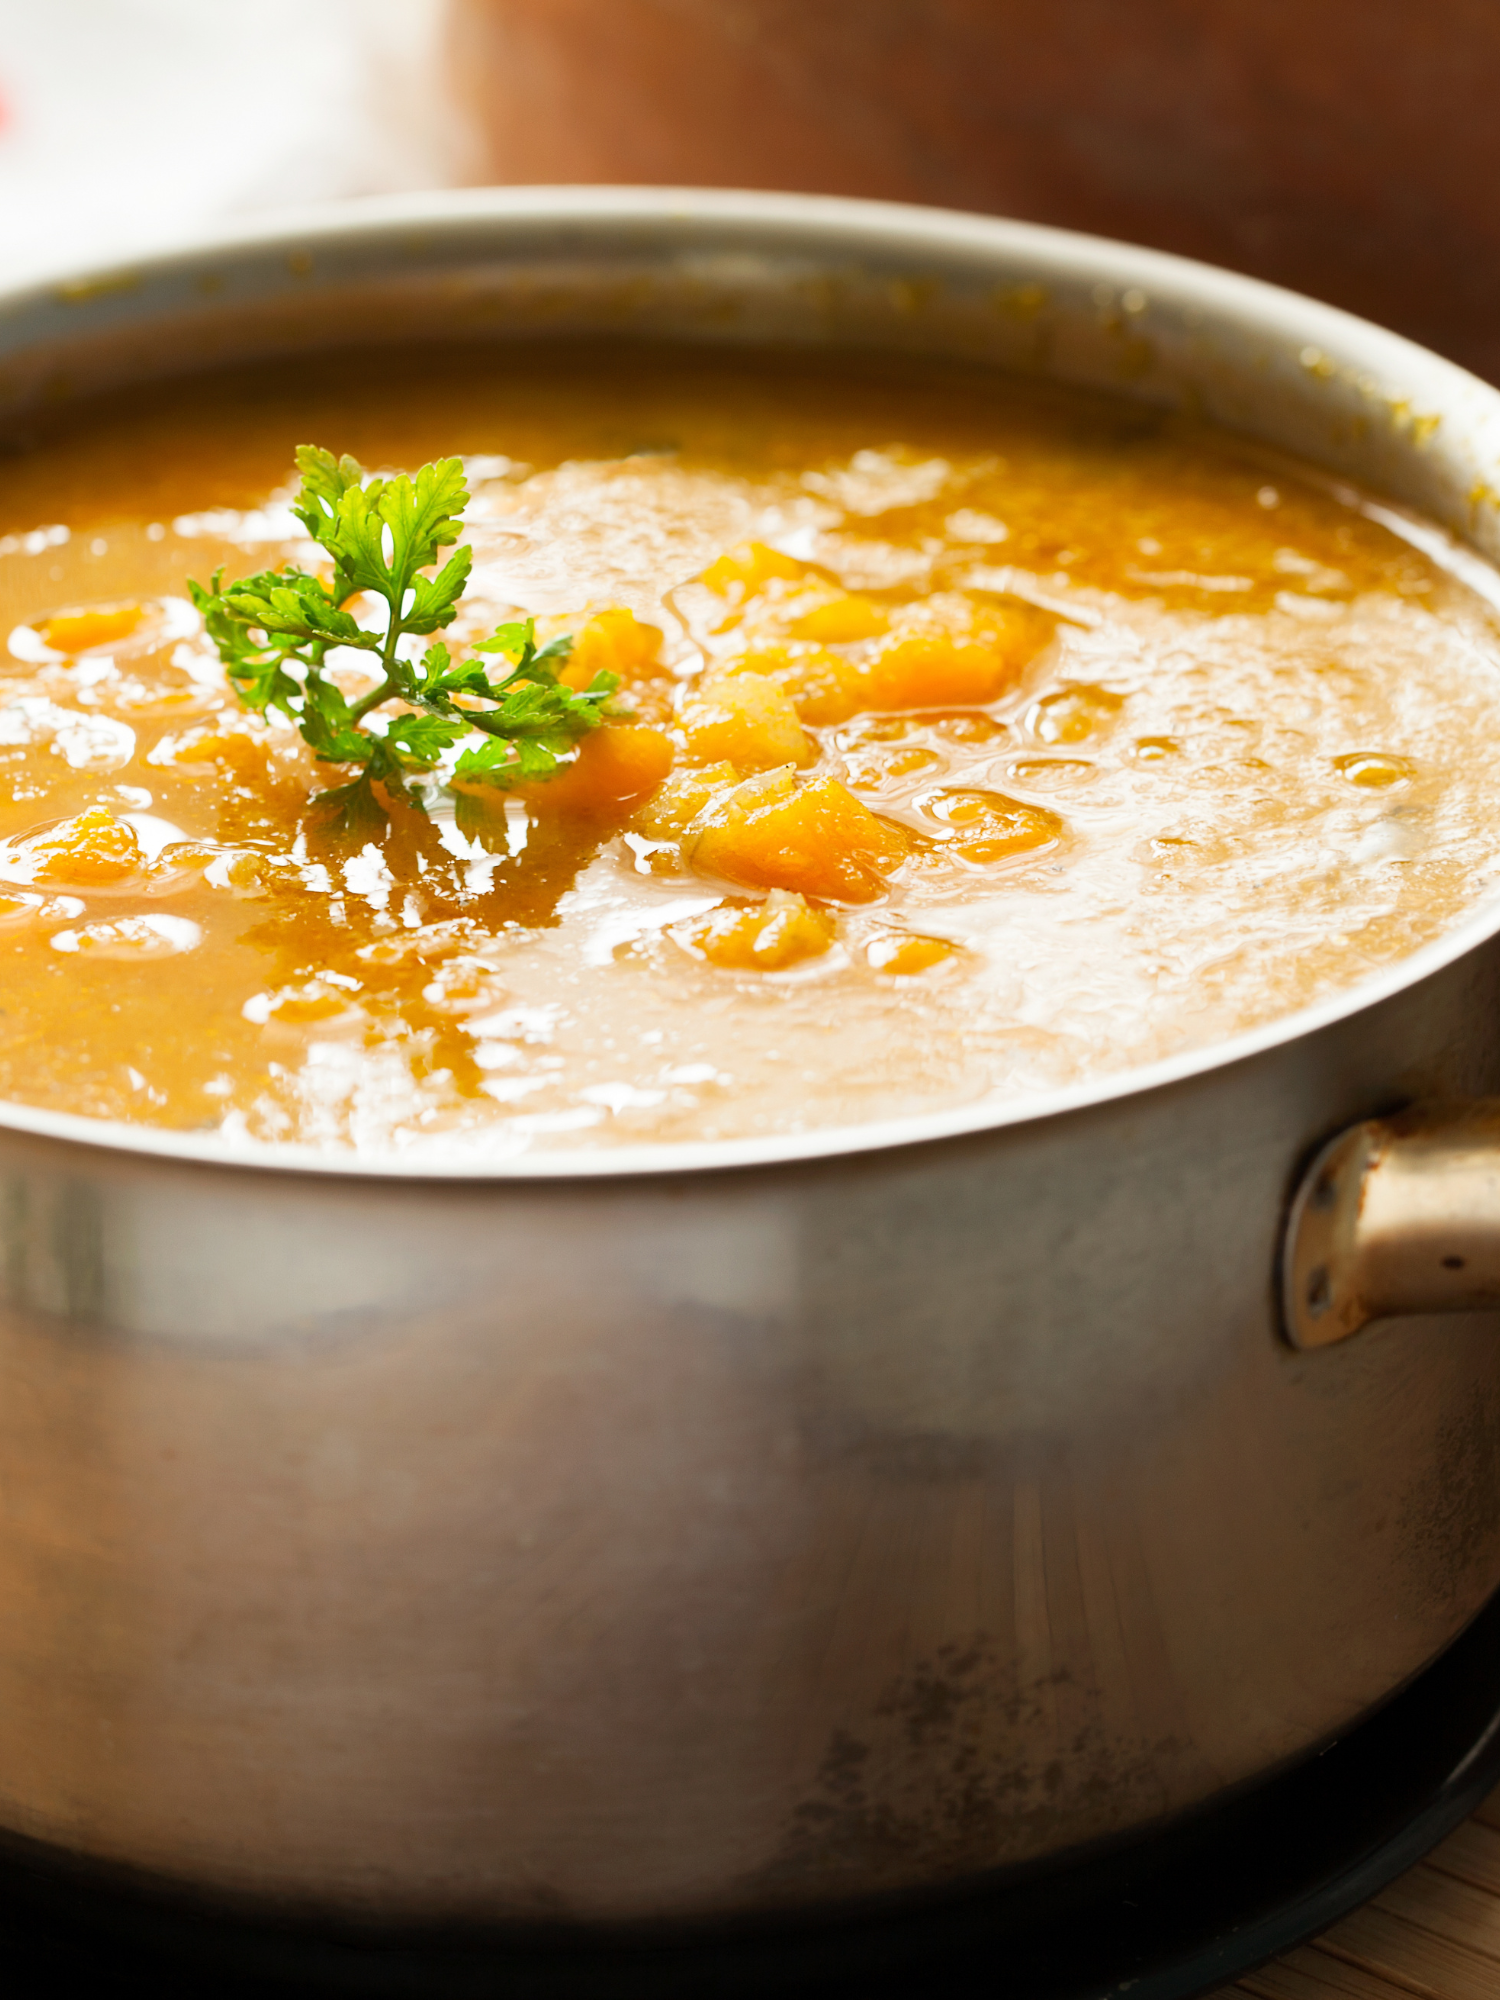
814	741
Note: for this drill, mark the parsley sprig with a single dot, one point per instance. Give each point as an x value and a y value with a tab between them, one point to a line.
275	631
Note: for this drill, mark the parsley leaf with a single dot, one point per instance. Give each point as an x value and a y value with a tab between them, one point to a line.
274	632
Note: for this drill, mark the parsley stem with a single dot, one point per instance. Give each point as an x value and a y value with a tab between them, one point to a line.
381	692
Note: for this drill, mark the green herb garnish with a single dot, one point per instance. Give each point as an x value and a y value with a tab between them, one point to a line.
274	632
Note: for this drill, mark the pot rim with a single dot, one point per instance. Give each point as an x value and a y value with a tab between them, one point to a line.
1425	378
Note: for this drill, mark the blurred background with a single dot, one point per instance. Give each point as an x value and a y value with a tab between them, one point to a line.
124	123
1348	148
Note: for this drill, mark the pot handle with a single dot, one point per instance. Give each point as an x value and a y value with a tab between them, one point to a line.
1397	1215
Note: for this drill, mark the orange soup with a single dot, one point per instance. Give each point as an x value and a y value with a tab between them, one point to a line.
971	740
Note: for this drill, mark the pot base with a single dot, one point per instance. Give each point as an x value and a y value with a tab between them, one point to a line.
1169	1915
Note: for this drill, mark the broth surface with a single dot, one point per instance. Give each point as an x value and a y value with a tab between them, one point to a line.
1144	741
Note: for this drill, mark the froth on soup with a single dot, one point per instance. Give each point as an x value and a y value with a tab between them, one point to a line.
981	739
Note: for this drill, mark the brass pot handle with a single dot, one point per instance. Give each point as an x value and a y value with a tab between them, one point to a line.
1398	1215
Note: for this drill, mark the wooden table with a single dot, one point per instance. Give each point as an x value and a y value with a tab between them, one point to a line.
1435	1932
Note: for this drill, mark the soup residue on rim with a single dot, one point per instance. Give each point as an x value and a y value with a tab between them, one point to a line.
983	739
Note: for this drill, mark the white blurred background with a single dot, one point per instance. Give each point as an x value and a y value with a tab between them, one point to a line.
125	123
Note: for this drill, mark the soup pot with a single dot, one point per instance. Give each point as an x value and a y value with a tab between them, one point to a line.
713	1529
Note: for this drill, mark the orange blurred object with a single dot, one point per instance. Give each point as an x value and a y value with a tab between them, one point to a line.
81	631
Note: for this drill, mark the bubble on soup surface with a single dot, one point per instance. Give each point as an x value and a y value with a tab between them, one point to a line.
130	938
1052	771
1073	714
1373	770
771	936
904	954
984	827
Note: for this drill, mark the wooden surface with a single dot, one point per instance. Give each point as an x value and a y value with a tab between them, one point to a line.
1435	1932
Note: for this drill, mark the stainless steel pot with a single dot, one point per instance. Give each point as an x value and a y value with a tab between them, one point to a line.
765	1523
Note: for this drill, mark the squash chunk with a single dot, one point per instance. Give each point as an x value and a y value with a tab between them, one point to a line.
759	937
749	568
770	833
616	767
965	658
934	670
613	642
743	720
671	810
835	617
823	687
93	851
81	631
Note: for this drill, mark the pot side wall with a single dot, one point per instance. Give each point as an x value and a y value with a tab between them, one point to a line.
781	1535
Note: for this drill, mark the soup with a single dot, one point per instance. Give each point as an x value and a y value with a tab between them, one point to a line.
972	739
